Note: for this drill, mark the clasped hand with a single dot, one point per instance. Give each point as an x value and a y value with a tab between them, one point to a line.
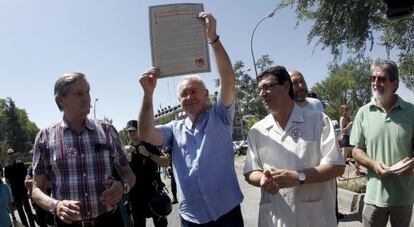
273	180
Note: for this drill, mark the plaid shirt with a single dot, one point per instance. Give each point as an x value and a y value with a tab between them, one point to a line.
78	163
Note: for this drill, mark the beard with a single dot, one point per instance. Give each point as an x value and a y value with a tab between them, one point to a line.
380	97
300	95
299	98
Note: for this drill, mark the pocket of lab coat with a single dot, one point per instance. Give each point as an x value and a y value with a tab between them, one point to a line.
312	214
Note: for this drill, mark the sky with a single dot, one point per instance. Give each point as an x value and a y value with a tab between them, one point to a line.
108	41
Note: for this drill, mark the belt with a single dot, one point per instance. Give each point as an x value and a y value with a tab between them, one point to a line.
96	221
88	223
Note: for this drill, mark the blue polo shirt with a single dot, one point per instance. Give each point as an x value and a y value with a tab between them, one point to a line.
203	160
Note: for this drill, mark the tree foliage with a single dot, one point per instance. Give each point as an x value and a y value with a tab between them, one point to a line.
355	26
249	104
347	83
123	135
16	130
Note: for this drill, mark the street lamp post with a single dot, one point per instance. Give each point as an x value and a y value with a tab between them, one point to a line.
94	108
271	14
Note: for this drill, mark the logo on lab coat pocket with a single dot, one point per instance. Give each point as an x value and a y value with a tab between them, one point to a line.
296	134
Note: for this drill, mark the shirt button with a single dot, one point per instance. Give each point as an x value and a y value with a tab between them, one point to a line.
86	194
84	174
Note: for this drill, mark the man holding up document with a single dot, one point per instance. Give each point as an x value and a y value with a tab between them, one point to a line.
202	151
383	134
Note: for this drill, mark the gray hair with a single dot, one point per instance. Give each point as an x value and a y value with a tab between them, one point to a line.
191	78
64	83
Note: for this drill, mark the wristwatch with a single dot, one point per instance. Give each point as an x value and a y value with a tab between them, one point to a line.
126	187
301	177
52	207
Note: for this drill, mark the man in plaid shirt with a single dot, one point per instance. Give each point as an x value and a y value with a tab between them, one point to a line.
79	155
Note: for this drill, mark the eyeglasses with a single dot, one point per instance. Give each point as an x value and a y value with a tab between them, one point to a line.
380	79
267	87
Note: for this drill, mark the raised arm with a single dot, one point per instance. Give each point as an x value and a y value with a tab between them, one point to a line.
146	128
225	69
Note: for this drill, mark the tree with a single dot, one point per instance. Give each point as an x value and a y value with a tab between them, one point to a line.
247	97
15	133
355	26
123	135
346	84
16	130
246	93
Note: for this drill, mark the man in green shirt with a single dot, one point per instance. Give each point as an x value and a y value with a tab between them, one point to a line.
383	134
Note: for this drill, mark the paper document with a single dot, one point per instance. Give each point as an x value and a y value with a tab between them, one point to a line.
178	39
401	166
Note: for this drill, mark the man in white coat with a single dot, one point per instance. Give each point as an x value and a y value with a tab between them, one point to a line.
293	157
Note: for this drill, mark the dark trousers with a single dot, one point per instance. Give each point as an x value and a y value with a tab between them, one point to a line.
22	201
42	216
173	187
112	219
140	212
125	211
232	218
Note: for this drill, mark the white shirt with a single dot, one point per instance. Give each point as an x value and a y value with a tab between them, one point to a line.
307	141
313	103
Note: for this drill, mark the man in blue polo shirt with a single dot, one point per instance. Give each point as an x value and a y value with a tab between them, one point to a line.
202	151
383	134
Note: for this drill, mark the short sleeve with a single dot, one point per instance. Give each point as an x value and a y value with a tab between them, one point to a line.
40	153
357	137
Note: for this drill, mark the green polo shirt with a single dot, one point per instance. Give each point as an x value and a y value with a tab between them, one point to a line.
387	137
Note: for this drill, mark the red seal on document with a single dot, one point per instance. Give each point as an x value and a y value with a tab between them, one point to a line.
71	152
199	62
296	134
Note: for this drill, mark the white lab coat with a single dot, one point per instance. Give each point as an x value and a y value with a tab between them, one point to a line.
307	141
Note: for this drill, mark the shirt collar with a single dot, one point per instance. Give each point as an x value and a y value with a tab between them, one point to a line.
296	116
400	103
89	124
189	124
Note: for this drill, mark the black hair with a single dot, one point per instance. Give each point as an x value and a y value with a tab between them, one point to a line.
280	74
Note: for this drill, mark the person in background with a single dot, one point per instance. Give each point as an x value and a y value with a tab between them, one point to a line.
345	125
170	170
15	174
5	202
145	162
202	146
382	135
293	157
42	217
80	155
300	92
